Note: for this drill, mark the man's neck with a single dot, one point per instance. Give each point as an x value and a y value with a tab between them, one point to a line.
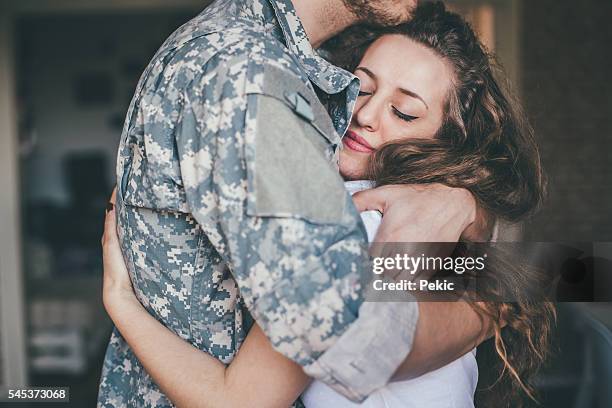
322	19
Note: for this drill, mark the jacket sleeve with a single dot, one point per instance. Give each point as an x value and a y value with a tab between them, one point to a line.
258	179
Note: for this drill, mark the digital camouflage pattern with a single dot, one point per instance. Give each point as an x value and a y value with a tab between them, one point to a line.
229	202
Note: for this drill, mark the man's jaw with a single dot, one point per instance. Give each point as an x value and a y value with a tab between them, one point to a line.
377	14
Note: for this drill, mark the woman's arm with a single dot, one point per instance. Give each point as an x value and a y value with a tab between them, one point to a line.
258	376
445	332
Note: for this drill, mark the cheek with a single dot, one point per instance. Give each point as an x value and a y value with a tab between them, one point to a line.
353	165
395	130
358	105
431	128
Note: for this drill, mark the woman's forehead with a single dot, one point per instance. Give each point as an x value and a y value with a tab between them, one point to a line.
398	61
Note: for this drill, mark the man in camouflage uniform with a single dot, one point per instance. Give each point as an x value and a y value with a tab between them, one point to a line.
229	200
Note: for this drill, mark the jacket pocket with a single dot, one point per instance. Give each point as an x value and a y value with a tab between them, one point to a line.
291	147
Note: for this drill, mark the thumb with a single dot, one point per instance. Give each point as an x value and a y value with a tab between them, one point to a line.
367	200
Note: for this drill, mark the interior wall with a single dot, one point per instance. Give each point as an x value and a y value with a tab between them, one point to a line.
50	90
566	63
59	58
12	344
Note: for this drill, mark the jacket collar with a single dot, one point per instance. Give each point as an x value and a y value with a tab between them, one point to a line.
329	78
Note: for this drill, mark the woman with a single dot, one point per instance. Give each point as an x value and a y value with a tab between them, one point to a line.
429	111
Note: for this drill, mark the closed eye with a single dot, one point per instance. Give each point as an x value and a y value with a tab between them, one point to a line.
403	116
364	93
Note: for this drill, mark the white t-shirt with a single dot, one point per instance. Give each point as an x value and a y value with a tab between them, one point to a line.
451	386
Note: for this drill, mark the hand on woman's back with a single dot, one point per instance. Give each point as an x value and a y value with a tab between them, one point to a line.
421	213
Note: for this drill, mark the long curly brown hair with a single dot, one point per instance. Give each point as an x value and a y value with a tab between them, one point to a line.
485	145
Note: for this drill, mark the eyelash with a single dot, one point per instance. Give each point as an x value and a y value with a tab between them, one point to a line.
396	112
403	116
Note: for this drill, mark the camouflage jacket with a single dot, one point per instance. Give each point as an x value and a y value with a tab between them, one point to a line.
230	205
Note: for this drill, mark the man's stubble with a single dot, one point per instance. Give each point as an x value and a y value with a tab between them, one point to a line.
382	12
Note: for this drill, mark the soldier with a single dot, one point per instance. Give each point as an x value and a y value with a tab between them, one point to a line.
229	203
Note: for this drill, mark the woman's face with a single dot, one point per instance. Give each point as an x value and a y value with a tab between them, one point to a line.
404	86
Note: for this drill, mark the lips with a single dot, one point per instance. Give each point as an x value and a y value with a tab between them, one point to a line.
357	143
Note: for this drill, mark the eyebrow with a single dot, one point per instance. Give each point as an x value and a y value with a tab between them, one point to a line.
402	90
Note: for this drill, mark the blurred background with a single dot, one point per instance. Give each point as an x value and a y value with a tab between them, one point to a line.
68	69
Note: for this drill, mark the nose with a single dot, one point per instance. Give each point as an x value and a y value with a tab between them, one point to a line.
367	113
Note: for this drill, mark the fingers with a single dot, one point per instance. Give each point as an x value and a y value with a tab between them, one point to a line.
113	196
116	278
110	222
111	202
110	229
375	199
